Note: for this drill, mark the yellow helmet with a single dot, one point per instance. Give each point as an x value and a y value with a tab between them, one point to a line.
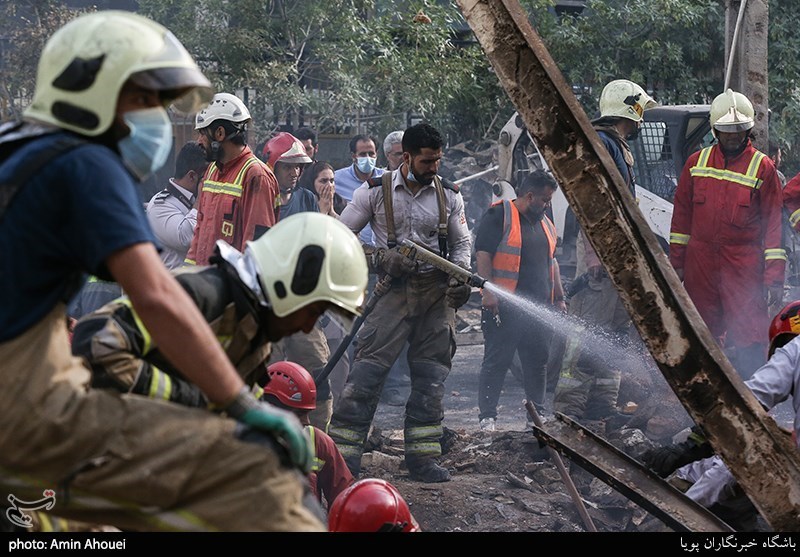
625	99
732	112
310	257
85	64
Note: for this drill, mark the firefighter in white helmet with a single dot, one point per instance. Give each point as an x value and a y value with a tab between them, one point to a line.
96	125
239	199
588	388
304	266
726	234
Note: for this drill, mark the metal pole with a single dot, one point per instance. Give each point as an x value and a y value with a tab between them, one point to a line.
735	39
562	470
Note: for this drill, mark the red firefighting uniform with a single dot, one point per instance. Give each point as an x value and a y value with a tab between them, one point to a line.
238	202
726	236
329	473
791	200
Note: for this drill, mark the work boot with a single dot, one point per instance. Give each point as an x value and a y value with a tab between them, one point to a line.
617	421
488	424
425	470
354	465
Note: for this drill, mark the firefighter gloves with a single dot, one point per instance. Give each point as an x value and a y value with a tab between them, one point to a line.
393	263
282	424
457	293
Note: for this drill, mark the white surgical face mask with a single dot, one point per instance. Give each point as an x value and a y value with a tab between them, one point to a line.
147	147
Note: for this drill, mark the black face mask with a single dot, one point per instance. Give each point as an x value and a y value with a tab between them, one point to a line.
733	153
634	134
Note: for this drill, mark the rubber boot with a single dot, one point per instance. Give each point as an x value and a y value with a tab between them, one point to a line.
426	470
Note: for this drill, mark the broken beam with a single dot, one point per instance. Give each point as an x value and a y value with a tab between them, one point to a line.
759	455
627	476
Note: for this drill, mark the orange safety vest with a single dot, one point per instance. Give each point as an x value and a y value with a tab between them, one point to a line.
506	260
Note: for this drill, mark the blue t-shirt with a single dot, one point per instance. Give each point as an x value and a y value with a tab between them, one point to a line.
61	227
302	200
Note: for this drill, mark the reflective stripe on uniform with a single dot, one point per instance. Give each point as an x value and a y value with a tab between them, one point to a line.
160	385
423	432
316	463
226	188
349	451
347	436
430	448
679	239
775	253
146	338
749	179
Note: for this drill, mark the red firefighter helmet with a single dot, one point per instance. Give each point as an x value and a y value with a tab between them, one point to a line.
784	327
285	147
371	505
292	385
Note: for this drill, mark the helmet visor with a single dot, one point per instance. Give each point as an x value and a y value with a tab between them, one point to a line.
173	72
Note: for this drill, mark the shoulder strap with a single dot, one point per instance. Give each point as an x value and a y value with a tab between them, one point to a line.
443	250
376	181
175	192
450	185
29	168
388	197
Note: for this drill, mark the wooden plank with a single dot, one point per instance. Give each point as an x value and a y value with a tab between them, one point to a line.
759	455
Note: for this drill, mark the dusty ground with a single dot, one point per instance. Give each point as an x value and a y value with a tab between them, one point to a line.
505	481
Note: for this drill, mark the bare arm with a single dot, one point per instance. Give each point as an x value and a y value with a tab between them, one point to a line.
483	264
175	323
558	288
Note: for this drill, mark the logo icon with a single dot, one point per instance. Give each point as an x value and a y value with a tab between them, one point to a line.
16	512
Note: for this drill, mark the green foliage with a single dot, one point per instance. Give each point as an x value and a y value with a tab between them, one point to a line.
337	59
784	82
25	26
368	62
672	48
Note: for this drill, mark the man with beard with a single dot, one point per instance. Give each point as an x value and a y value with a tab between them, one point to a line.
239	199
515	249
103	84
726	234
419	308
588	388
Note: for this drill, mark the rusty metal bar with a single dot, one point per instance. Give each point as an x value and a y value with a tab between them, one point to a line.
761	458
562	470
627	476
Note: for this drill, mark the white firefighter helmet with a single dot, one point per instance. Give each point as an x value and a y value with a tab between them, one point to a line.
87	61
223	106
625	99
310	257
732	112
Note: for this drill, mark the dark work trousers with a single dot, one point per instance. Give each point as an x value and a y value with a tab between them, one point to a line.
517	332
414	311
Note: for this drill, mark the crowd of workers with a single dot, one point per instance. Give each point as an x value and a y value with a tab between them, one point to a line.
191	402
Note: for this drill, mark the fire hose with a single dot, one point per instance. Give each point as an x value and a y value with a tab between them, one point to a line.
415	252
